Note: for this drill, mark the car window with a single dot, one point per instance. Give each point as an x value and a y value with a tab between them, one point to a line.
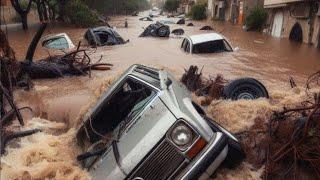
227	46
211	47
125	103
56	43
185	45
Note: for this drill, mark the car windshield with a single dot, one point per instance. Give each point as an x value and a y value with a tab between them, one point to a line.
212	47
56	43
125	103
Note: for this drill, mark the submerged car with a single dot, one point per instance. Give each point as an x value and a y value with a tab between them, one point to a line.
179	21
145	126
156	30
57	41
206	43
103	36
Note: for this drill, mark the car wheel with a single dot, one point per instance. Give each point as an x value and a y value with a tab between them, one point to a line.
162	31
235	152
244	88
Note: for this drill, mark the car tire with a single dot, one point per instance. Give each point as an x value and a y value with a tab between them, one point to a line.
163	31
244	88
236	154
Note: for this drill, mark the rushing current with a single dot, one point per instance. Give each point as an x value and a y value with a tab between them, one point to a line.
59	103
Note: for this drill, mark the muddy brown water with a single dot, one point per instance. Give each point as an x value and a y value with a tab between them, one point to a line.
268	59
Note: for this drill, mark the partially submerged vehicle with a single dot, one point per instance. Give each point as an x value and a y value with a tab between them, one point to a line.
57	42
145	126
156	30
178	32
103	36
179	21
206	43
146	19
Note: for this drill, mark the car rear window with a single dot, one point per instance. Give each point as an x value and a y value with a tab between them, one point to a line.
212	47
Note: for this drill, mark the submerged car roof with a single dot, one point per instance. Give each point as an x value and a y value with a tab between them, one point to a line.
201	38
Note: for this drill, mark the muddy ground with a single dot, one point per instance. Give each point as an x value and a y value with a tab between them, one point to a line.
58	103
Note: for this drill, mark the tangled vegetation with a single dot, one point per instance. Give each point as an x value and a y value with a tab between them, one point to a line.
256	18
198	12
171	5
80	14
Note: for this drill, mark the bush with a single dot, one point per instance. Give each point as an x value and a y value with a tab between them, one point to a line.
198	12
256	18
80	14
171	5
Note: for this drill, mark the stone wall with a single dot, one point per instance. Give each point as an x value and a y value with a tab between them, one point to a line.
289	22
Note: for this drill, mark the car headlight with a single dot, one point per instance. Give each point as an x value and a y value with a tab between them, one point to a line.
182	135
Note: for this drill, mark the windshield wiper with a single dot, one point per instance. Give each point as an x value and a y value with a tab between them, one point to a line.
89	154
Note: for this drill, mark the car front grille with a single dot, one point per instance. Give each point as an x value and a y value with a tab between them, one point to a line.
164	161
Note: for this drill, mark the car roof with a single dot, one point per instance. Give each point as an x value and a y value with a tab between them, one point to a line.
50	36
200	38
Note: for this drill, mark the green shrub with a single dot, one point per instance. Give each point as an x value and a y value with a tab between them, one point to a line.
198	12
171	5
256	18
24	4
80	14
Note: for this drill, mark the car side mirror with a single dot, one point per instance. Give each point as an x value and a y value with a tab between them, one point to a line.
236	49
168	83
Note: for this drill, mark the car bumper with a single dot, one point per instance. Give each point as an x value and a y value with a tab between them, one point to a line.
204	165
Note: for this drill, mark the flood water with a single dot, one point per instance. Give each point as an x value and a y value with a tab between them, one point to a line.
60	101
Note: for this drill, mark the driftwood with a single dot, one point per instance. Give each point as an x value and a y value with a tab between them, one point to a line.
288	145
195	82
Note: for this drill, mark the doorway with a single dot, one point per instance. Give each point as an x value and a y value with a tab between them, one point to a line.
277	24
296	33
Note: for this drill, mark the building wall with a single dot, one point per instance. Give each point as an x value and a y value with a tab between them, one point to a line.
275	2
316	32
5	3
310	30
289	22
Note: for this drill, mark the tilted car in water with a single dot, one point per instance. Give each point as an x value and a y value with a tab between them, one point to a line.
156	30
103	36
206	43
57	41
145	126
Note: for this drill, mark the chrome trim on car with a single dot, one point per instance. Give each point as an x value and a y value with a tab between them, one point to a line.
197	135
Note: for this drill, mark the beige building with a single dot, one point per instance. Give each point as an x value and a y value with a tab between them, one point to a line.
231	10
298	20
